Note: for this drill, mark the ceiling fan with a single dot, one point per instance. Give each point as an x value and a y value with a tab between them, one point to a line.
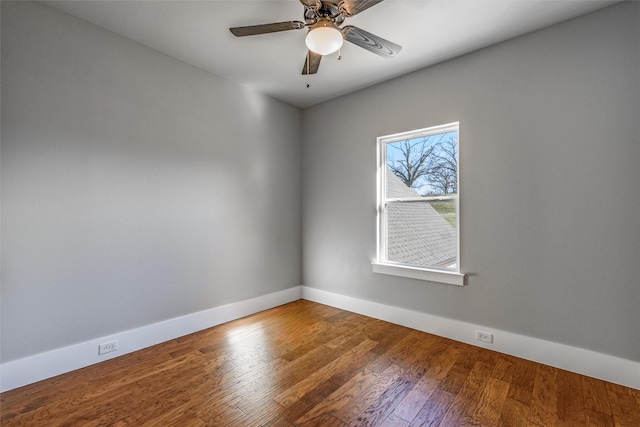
325	36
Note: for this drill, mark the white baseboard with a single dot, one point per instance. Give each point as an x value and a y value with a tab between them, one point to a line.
46	365
585	362
30	369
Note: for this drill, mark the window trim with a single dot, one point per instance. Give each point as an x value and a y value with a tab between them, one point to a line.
427	274
381	265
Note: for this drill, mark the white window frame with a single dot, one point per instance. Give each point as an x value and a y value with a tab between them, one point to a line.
381	265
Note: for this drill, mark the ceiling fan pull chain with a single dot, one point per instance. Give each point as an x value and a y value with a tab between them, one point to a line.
339	54
308	61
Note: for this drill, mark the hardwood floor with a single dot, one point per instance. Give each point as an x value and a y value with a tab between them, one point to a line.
308	364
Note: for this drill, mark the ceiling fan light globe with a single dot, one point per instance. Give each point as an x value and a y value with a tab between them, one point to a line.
324	40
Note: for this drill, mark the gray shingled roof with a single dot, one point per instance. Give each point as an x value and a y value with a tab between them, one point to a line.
416	233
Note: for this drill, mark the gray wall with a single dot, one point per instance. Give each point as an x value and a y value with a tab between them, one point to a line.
135	188
550	206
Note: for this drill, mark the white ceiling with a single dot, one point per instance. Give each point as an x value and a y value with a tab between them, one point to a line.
429	31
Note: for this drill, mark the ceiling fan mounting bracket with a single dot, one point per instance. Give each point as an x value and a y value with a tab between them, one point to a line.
325	10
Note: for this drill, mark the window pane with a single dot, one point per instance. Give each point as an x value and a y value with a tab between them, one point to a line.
426	165
422	234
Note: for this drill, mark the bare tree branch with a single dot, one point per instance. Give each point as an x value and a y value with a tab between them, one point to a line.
427	161
414	162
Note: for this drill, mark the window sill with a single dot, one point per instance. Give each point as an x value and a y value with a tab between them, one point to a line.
439	276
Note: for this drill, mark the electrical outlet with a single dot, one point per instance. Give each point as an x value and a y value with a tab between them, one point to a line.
484	337
107	347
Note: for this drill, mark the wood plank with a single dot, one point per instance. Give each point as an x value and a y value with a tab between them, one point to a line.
544	401
315	361
570	399
388	337
293	394
434	409
456	376
369	394
323	420
636	394
489	408
308	401
466	400
280	421
503	368
598	419
379	410
393	421
333	403
356	364
267	409
417	358
379	364
596	396
514	414
424	388
524	373
624	407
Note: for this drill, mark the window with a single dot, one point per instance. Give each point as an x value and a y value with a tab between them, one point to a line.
418	227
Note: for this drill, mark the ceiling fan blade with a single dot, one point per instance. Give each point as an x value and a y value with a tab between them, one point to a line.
311	63
254	30
370	42
353	7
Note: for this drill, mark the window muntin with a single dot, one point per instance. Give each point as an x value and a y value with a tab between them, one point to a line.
418	223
